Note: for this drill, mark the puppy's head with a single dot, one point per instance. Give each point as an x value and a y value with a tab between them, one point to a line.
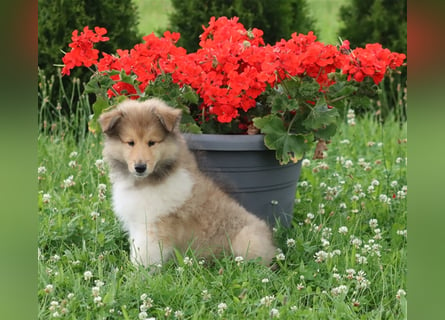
141	135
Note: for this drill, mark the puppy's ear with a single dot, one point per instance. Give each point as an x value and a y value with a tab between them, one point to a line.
169	117
108	121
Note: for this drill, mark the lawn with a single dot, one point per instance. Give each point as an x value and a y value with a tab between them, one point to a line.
153	17
345	257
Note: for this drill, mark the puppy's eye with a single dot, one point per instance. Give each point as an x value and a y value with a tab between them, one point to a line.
151	143
130	143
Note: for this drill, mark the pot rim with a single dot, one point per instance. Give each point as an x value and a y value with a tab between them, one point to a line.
225	142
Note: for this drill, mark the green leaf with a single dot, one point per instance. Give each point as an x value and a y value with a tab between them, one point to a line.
98	107
280	102
320	117
287	146
269	124
327	132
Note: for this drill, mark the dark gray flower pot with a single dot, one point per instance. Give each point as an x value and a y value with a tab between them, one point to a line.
249	172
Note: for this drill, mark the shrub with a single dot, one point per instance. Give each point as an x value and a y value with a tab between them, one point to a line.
58	19
278	19
368	21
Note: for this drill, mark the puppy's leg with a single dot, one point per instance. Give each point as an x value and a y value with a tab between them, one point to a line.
147	251
253	241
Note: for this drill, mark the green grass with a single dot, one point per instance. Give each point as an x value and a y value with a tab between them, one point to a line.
153	17
78	233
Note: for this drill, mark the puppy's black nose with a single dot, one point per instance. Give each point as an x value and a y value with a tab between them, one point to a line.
140	167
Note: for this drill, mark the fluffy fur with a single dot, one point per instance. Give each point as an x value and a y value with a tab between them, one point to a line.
162	198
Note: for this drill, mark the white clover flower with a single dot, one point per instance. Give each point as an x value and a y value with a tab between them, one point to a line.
87	275
143	315
394	183
342	205
41	170
73	154
188	261
348	164
371	189
402	232
179	314
46	198
373	223
267	300
102	187
350	273
265	280
303	184
222	307
310	216
72	164
324	242
300	286
342	289
380	144
323	165
327	232
95	291
290	243
280	256
354	198
399	160
356	241
239	260
167	311
206	295
320	256
99	283
94	215
274	313
400	293
363	284
361	259
343	230
53	305
323	185
70	296
306	163
336	276
68	182
99	164
98	300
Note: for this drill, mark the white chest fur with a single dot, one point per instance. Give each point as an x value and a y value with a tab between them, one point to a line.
139	206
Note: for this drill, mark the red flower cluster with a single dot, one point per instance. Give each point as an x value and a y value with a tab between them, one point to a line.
82	52
233	65
372	61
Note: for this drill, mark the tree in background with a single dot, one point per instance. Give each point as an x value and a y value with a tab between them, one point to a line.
369	21
58	19
278	19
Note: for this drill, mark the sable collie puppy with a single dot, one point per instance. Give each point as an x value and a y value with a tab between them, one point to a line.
161	197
